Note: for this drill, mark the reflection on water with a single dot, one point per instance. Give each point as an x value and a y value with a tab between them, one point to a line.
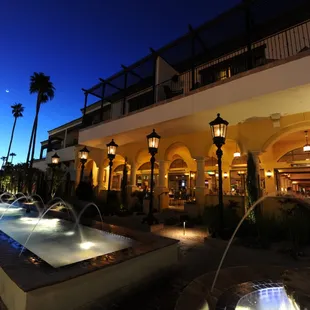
273	298
57	241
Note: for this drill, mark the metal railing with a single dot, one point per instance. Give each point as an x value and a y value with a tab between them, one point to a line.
278	46
281	45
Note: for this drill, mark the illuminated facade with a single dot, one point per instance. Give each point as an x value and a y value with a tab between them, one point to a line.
249	66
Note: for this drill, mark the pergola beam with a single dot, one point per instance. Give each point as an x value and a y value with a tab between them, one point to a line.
196	34
109	83
155	53
132	72
90	92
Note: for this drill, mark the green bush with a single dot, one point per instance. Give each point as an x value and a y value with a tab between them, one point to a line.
84	191
211	217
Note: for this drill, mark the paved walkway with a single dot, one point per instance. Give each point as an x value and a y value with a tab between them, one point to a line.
197	258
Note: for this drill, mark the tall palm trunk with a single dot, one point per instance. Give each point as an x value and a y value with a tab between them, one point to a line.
34	142
30	142
34	129
12	135
32	146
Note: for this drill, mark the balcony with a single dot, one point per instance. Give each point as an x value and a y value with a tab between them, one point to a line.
65	154
188	64
211	85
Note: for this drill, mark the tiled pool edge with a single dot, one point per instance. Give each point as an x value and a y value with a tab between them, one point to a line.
197	296
79	291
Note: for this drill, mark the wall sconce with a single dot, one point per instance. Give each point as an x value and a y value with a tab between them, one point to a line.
268	174
225	175
166	176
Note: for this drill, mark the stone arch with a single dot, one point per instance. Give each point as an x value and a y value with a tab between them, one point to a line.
179	150
142	156
178	163
229	148
210	161
240	161
301	126
147	166
294	155
118	160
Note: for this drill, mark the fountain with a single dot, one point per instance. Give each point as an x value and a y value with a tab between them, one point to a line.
84	209
41	218
85	258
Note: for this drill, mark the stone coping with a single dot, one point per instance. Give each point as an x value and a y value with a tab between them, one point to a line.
30	273
232	282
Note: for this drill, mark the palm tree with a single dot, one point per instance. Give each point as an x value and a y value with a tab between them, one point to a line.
17	111
12	155
3	158
41	85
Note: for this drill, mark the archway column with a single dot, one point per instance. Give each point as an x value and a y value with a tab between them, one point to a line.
100	177
270	182
226	181
161	190
200	191
132	186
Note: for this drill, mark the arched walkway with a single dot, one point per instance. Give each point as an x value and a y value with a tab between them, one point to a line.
117	172
180	173
287	161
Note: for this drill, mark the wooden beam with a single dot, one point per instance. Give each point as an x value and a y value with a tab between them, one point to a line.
109	83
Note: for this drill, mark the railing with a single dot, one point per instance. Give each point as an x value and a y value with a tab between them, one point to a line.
278	46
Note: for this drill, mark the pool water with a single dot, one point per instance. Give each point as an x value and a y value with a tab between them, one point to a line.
272	298
58	242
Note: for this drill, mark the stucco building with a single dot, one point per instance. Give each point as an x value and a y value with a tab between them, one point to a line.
247	65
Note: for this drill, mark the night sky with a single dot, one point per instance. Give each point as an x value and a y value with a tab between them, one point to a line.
76	42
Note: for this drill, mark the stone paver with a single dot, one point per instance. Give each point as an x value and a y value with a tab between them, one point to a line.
196	258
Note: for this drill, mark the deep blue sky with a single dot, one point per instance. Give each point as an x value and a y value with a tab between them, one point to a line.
76	42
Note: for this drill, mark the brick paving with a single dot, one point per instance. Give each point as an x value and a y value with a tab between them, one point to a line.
196	258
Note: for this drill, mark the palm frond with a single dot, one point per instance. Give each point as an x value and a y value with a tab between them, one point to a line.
41	83
17	110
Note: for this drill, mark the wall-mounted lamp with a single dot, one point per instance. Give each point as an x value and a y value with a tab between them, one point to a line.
225	175
268	174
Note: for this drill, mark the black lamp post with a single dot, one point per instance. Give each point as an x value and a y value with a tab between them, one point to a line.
112	146
53	165
218	130
153	143
83	155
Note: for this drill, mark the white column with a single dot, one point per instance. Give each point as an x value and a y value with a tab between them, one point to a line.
132	186
133	173
200	182
161	190
163	174
100	178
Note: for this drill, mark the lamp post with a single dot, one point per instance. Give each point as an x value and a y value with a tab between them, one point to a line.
218	130
112	146
153	143
83	155
53	165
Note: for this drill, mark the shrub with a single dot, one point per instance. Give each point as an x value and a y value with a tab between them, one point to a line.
84	191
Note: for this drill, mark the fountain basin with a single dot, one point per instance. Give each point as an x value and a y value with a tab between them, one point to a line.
31	283
57	242
238	288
